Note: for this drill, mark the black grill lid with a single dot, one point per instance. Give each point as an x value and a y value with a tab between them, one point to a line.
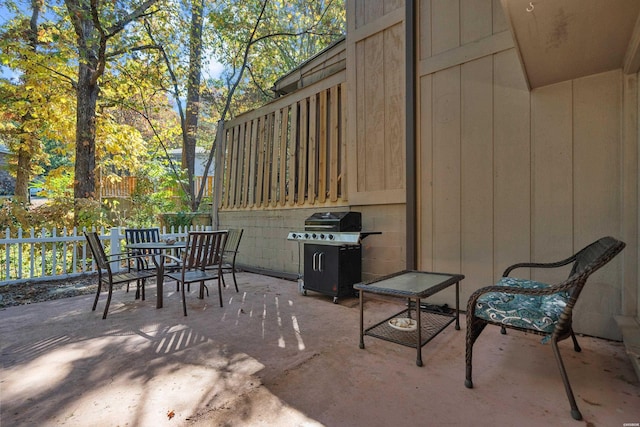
334	221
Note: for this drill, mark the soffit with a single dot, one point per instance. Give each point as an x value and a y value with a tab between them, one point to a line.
559	40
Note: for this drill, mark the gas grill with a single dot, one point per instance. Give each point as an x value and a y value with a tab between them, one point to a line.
332	252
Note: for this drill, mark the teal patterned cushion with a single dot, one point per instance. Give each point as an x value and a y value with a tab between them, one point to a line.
538	313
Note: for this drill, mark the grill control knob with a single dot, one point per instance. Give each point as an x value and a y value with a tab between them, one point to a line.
306	235
322	236
331	236
313	236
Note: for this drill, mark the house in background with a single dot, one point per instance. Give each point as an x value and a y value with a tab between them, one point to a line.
126	186
7	182
472	133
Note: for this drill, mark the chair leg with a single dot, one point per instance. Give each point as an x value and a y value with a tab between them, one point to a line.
184	301
576	346
202	289
575	412
220	289
106	307
474	328
235	282
137	288
95	301
144	282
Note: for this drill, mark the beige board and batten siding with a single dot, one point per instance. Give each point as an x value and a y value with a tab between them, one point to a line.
509	175
376	130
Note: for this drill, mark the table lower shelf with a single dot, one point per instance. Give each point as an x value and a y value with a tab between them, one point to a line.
432	323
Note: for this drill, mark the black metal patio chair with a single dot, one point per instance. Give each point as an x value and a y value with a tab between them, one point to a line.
106	275
201	262
229	254
536	307
141	235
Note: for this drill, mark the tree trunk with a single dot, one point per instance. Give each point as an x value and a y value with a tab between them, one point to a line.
193	99
87	97
29	141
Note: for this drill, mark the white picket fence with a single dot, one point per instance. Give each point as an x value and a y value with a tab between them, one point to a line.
53	255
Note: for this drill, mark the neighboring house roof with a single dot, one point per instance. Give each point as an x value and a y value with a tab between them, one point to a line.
329	61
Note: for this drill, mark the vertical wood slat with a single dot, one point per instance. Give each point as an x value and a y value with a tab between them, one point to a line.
293	154
252	163
239	172
260	172
273	197
333	144
303	135
237	137
313	154
284	153
227	172
322	149
268	138
246	162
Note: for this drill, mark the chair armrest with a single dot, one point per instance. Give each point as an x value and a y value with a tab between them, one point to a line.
538	265
171	257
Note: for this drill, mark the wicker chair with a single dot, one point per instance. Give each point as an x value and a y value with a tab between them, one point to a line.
107	276
536	307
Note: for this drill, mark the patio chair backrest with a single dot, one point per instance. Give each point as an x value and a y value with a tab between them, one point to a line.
142	235
204	249
233	242
99	256
594	256
586	262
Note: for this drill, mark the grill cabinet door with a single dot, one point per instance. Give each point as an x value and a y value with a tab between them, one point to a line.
332	270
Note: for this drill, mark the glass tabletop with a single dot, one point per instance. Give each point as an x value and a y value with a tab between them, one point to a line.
411	283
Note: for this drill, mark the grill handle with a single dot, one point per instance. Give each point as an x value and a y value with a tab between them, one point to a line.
317	261
315	227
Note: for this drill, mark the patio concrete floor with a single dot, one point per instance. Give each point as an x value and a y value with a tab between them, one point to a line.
271	357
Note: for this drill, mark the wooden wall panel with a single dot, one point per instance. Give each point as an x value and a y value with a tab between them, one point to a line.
476	18
476	159
445	25
375	80
597	97
597	192
374	112
446	169
552	175
512	162
424	29
424	187
499	19
394	117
